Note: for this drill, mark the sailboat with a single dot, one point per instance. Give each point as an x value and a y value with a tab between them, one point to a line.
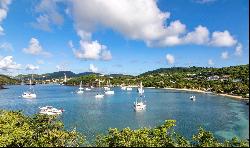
123	87
108	91
192	98
80	91
99	95
139	104
140	90
30	94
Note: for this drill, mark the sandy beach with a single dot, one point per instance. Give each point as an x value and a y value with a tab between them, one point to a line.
201	91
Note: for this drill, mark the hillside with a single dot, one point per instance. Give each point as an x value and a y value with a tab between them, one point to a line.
4	80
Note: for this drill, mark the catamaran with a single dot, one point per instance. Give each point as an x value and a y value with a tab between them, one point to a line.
80	91
139	104
30	94
49	110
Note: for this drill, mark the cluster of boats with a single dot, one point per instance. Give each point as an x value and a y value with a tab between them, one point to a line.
49	110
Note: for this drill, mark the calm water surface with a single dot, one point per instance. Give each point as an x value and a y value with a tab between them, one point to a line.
223	116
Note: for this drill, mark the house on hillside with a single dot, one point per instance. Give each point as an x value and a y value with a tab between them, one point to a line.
213	78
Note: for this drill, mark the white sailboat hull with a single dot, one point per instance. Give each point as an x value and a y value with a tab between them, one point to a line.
99	96
139	106
80	92
29	95
129	88
109	92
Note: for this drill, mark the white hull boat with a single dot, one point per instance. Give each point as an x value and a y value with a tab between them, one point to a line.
192	98
109	92
123	88
139	106
87	89
49	110
106	88
80	91
99	96
128	88
29	95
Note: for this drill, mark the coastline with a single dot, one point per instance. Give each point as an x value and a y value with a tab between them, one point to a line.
202	91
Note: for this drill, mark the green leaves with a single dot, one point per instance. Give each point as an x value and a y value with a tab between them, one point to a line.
18	130
161	136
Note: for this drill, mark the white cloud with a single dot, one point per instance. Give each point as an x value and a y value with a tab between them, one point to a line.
141	20
170	59
35	48
92	50
7	63
210	62
106	55
3	12
224	55
6	46
222	39
199	36
31	67
93	68
238	50
48	15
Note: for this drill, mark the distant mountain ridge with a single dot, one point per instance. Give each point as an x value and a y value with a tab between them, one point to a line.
54	75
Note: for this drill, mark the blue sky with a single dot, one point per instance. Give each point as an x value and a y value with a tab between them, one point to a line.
128	37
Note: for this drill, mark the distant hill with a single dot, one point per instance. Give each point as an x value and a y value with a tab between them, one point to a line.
54	75
86	73
6	80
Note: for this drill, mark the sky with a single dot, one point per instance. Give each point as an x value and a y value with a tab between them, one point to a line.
125	36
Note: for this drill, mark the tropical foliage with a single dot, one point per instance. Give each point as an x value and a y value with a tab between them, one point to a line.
19	130
231	80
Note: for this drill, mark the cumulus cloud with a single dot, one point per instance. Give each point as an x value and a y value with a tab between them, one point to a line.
3	13
210	62
6	46
48	15
224	55
8	62
35	48
31	67
199	36
238	49
141	20
93	68
170	59
91	50
222	39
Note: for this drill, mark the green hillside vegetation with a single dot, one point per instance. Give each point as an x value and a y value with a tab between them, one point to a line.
19	130
4	80
230	80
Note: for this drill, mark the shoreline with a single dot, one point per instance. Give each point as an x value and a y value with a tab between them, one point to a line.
202	91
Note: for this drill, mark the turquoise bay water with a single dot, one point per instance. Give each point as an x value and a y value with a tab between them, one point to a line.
223	116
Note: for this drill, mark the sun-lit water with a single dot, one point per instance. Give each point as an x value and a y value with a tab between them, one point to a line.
223	116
